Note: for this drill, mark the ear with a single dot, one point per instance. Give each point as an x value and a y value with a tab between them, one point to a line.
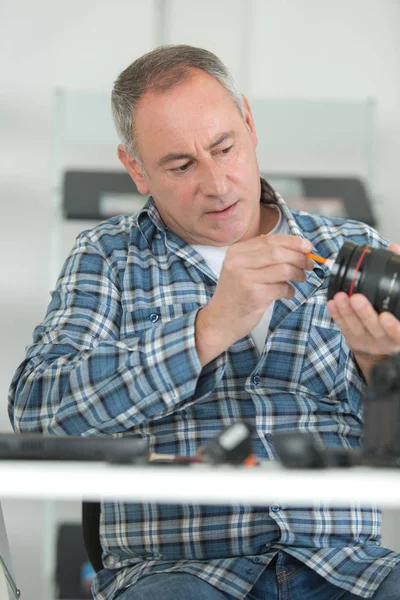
134	169
248	119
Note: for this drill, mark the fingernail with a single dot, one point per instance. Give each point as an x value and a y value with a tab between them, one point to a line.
306	246
388	320
359	302
342	300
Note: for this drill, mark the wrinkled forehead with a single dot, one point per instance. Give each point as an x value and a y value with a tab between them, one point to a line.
195	111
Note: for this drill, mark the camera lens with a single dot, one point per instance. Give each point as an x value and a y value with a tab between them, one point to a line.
373	272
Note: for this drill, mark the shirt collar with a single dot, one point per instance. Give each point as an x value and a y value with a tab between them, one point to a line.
271	196
149	217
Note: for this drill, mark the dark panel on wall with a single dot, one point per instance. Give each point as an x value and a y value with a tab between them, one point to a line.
102	194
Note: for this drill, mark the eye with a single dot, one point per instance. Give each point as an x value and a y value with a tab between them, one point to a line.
227	150
182	168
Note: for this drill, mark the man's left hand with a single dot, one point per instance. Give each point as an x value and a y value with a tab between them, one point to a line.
371	336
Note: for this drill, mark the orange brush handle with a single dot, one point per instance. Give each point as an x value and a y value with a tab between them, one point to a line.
317	258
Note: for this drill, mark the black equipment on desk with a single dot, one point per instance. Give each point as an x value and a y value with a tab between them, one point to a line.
305	451
381	440
34	446
382	414
232	446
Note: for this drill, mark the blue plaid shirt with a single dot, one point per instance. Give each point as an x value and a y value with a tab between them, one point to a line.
116	355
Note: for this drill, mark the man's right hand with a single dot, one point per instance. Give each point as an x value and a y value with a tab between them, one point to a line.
254	274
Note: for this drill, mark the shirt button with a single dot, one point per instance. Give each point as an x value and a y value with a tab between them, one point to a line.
111	560
250	570
256	380
257	559
275	508
154	317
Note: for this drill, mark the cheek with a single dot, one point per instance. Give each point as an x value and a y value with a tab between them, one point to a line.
177	201
176	189
245	159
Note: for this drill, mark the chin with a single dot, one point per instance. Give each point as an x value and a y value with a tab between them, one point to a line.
228	240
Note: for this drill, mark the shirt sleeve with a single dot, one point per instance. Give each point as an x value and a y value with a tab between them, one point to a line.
80	378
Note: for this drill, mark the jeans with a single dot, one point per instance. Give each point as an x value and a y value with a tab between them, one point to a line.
284	579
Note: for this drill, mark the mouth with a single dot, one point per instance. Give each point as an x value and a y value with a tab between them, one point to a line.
222	213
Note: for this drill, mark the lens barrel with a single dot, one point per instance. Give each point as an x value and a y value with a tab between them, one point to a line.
373	272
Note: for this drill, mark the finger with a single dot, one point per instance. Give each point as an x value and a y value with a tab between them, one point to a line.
277	255
280	290
391	325
369	318
276	243
280	273
345	317
268	256
291	242
394	248
384	329
361	325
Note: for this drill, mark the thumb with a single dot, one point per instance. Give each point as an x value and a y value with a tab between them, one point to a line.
394	248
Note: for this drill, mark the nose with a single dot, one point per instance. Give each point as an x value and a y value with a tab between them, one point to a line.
213	179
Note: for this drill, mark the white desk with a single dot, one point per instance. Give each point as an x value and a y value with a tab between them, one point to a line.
77	481
198	484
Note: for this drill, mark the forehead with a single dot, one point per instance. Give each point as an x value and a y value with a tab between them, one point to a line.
196	110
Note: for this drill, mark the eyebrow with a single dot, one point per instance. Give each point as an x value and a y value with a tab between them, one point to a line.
182	155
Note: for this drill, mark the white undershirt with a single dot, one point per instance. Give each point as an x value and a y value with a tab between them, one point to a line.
214	257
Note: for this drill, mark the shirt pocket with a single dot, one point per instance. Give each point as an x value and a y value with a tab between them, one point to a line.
145	317
321	360
305	351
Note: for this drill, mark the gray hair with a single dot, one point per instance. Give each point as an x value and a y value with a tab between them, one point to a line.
162	70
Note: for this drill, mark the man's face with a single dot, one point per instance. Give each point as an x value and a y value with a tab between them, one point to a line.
200	163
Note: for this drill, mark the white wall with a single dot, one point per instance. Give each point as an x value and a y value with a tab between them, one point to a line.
343	49
346	49
44	44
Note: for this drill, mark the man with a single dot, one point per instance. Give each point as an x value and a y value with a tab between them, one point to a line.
201	310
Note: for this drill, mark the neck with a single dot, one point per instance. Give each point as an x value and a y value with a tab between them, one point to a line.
269	218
